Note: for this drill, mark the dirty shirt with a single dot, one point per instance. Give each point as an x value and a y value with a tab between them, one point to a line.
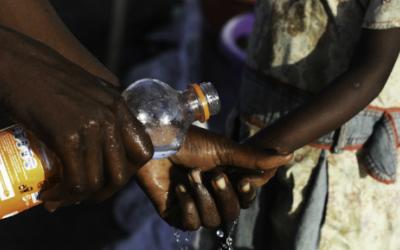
307	44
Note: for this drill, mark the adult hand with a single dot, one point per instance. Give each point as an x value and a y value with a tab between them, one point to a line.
85	123
188	198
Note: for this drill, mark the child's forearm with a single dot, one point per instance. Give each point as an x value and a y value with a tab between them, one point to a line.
372	63
38	20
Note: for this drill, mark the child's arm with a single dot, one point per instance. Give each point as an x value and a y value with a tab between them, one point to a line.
371	66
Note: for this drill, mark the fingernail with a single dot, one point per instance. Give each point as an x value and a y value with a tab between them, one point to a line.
245	187
220	182
181	188
196	176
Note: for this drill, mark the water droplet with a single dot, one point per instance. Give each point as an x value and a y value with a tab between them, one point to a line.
182	239
226	236
229	241
220	233
177	236
187	239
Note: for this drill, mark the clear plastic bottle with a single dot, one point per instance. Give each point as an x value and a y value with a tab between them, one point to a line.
26	166
167	113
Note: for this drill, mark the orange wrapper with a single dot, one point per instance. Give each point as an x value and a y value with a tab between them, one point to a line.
24	167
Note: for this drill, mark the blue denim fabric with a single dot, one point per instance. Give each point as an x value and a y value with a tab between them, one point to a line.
308	230
375	130
379	154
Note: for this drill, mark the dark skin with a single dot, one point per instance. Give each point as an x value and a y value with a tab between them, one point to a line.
282	137
371	65
189	199
65	104
85	123
201	194
37	43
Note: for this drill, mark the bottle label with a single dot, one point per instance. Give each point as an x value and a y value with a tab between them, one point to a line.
22	172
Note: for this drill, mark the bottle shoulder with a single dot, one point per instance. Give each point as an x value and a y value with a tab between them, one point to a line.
152	101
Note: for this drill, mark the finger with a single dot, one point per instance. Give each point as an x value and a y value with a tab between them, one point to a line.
52	206
115	157
58	197
73	181
93	157
226	198
115	162
137	143
205	204
246	156
54	194
190	216
57	193
246	192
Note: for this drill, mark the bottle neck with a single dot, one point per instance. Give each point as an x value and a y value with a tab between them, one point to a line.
193	104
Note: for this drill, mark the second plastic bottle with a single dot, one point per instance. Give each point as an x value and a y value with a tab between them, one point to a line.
167	113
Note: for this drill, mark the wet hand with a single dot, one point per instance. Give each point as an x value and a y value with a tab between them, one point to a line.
86	123
188	198
205	150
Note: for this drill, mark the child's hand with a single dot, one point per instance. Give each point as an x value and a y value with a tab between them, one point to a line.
205	150
190	190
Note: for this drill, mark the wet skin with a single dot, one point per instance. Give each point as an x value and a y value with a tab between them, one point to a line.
211	193
100	145
25	20
51	85
85	122
370	67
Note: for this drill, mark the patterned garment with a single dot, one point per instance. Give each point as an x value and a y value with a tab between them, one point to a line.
361	213
307	44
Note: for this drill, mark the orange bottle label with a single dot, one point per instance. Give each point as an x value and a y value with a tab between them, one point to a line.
22	171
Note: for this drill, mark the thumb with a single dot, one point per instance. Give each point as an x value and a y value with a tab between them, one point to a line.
251	157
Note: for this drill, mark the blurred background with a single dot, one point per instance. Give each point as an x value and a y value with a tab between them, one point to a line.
176	41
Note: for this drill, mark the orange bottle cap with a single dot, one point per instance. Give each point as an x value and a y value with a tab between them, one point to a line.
203	101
